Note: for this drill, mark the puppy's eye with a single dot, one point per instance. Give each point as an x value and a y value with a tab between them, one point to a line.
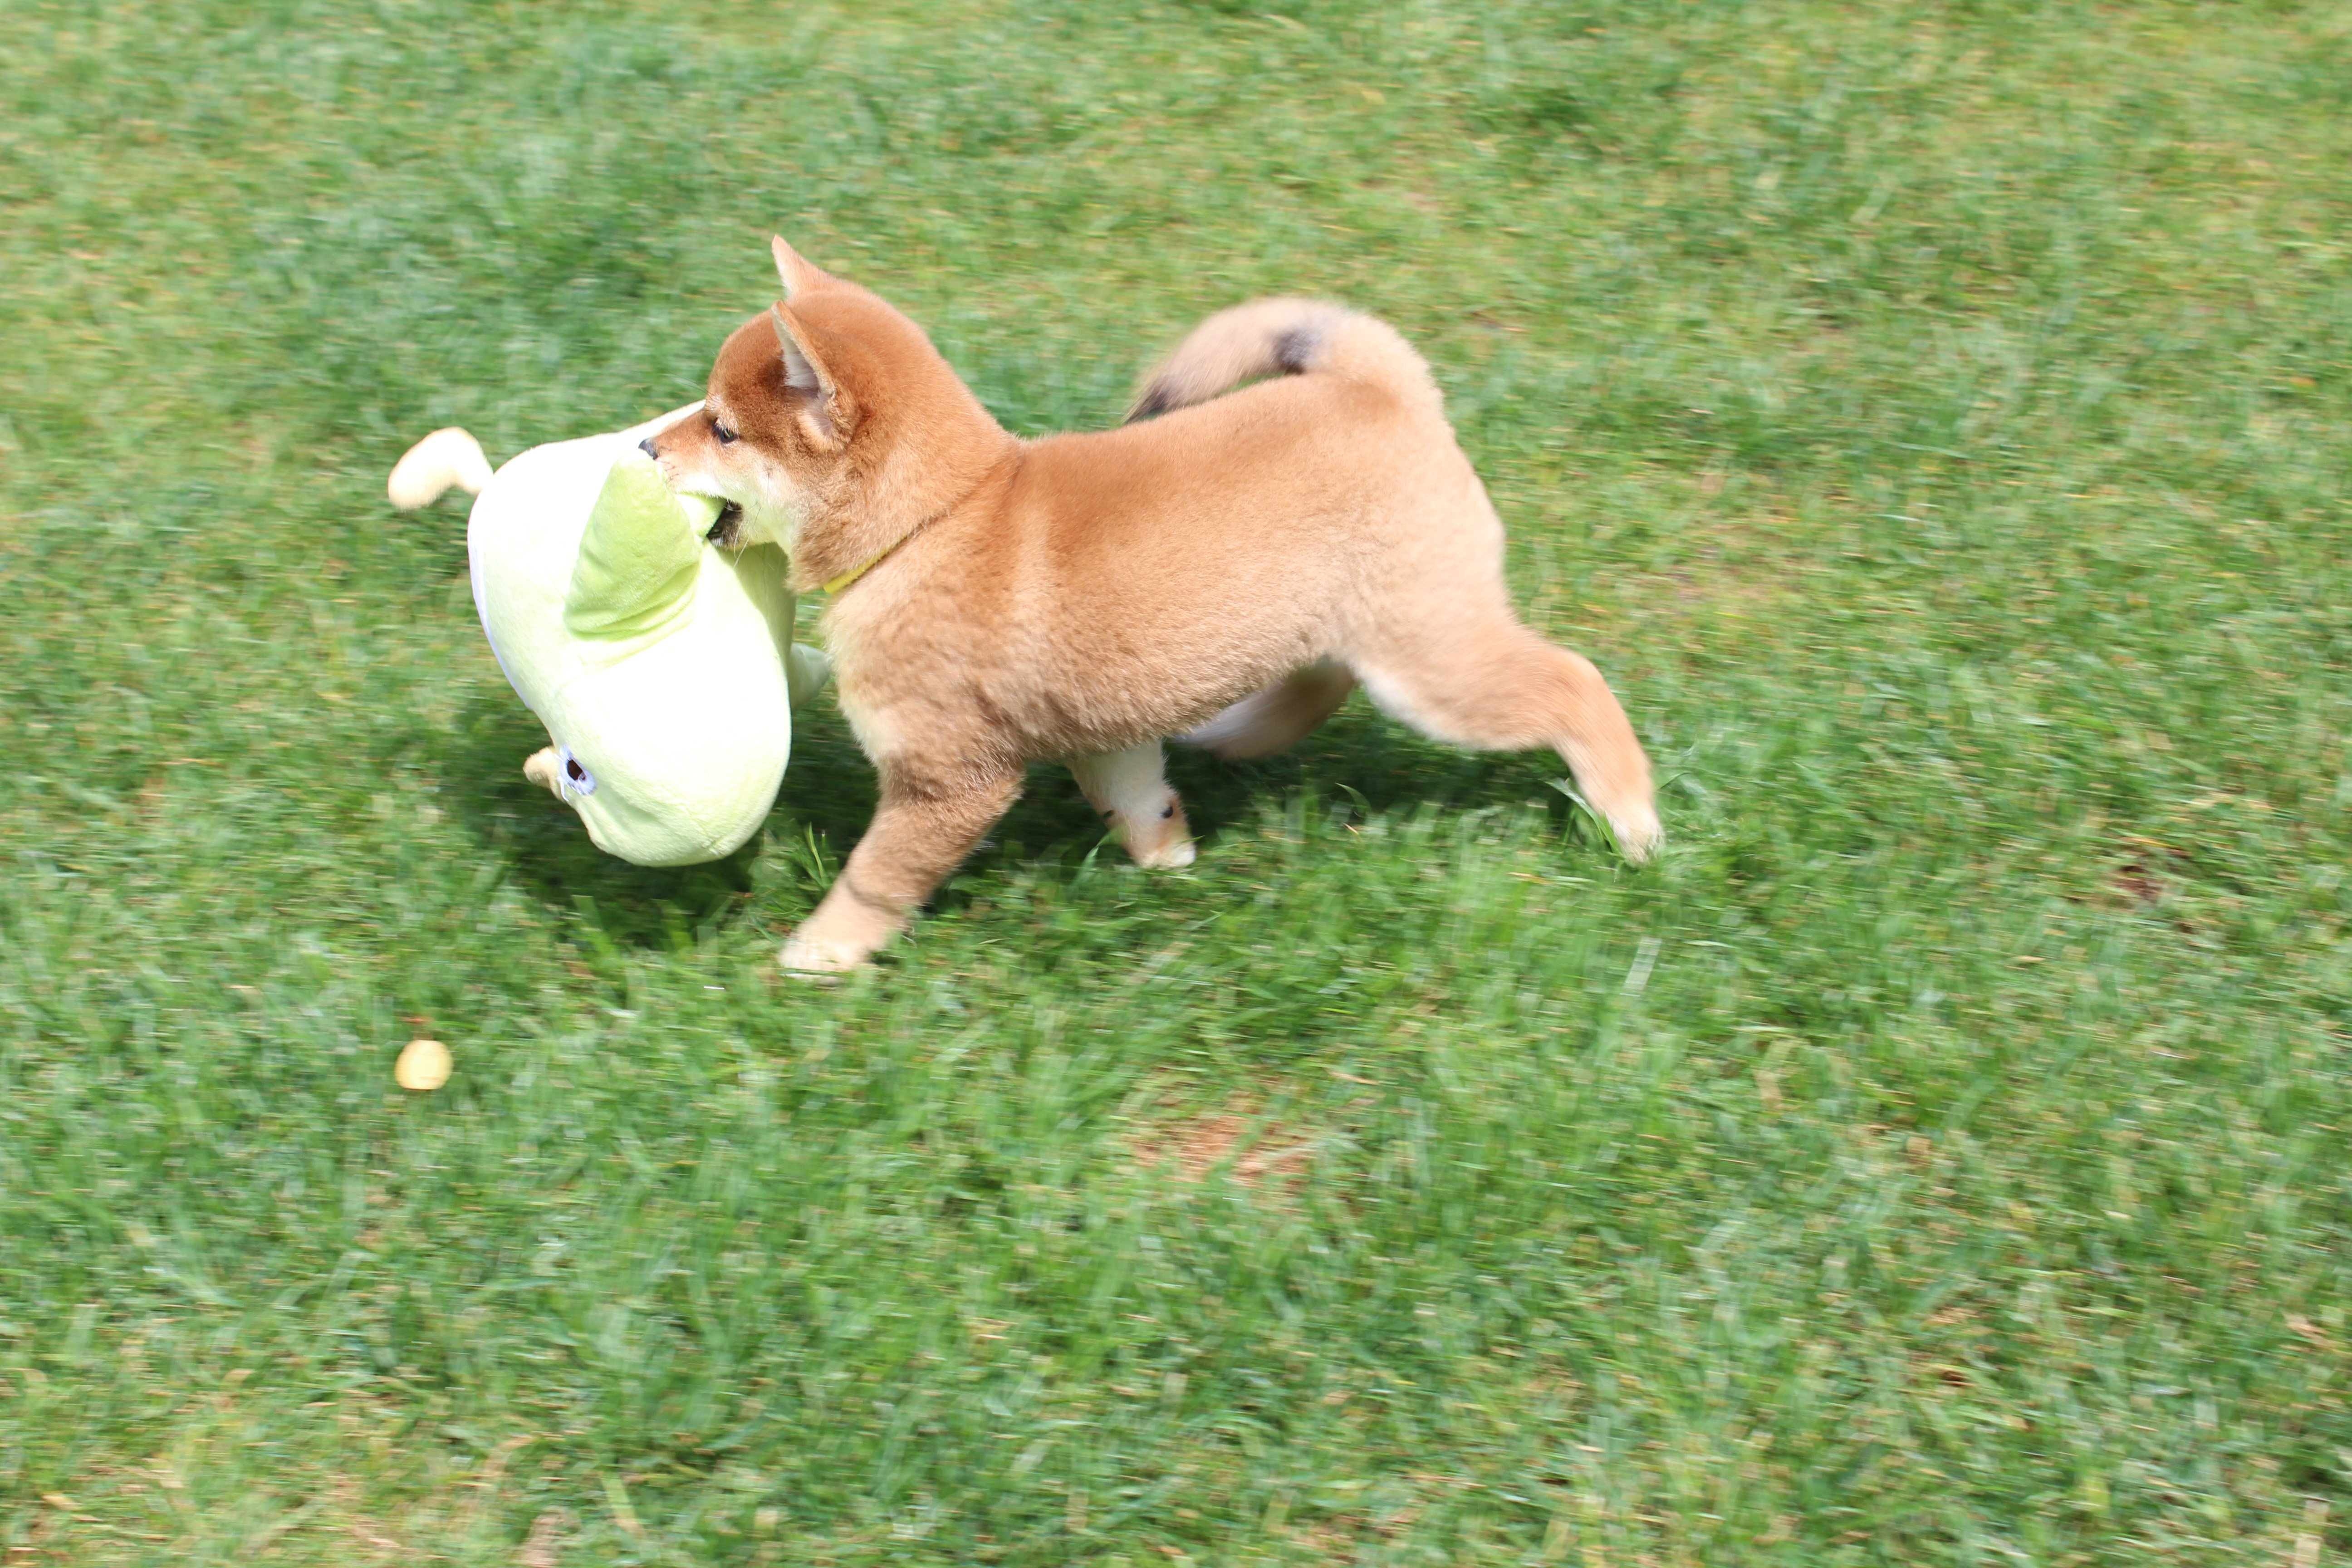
725	437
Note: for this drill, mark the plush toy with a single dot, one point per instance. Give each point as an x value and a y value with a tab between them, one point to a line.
661	663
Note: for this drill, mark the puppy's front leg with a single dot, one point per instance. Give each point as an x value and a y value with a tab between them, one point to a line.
918	837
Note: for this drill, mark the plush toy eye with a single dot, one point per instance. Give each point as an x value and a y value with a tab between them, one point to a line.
725	437
576	780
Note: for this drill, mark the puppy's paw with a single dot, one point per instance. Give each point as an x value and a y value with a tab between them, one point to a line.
1161	841
813	958
1631	816
1173	856
1638	831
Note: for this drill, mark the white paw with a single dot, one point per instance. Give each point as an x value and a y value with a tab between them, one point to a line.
1638	833
1172	857
799	955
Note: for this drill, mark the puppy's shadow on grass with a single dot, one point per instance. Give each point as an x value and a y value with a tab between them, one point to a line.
1360	759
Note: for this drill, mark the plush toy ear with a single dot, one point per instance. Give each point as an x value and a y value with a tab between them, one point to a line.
828	414
639	557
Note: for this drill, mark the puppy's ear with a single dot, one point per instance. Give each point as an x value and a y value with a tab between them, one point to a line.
827	413
799	275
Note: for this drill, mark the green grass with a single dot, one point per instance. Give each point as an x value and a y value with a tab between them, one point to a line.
1933	418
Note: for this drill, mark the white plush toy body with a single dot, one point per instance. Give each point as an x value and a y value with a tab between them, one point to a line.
662	664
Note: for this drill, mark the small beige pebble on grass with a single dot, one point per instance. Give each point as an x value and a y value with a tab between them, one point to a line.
424	1065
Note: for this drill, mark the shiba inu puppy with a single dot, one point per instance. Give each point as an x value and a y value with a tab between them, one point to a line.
1222	569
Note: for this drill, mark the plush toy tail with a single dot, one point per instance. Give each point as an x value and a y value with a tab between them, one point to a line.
444	459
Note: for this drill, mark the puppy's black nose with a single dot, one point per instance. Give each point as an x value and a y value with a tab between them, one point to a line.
646	447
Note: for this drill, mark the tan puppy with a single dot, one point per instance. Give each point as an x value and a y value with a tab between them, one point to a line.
1225	573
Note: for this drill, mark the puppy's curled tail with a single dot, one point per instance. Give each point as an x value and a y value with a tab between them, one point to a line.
444	459
1285	337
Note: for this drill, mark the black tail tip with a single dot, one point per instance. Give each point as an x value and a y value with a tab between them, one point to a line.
1294	348
1156	401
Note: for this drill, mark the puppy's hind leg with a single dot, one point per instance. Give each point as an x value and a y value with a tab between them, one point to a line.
1499	686
1132	793
1277	718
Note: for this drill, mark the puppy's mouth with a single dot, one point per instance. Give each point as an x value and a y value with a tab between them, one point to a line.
727	533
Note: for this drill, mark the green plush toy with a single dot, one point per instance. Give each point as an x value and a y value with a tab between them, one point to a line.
661	663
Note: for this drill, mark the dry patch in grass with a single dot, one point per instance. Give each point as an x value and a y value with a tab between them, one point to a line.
1238	1139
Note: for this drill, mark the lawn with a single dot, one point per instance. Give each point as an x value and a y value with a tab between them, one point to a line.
1936	421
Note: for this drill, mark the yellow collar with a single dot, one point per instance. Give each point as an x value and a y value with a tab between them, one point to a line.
854	573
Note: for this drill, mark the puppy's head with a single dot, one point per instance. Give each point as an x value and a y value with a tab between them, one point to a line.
776	424
830	427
